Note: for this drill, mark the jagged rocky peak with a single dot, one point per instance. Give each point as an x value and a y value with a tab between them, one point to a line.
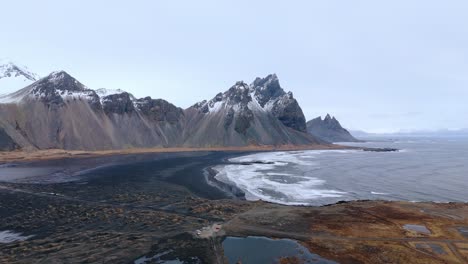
118	103
265	95
331	122
238	95
272	97
159	110
328	121
267	88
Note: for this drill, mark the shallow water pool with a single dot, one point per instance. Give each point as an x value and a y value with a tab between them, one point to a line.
253	250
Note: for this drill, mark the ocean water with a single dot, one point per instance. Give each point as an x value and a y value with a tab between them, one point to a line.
425	169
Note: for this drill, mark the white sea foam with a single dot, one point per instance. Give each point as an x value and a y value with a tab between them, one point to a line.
10	236
379	193
276	177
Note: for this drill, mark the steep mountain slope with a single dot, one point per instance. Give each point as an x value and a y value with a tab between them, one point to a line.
14	77
329	129
257	114
59	112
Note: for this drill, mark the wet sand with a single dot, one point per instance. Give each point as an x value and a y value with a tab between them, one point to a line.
145	204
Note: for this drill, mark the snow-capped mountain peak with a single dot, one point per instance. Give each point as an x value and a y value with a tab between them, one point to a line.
238	94
14	77
267	89
263	95
56	88
59	87
9	69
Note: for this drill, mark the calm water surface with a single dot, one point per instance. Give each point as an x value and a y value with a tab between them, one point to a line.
253	250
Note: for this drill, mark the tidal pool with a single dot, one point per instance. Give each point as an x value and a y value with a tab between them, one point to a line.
253	250
417	228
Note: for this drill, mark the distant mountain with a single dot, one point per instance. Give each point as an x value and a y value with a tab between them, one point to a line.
329	129
417	133
58	111
14	77
359	133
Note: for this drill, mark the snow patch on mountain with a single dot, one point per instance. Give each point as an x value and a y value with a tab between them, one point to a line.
103	92
75	95
107	95
57	76
254	105
251	95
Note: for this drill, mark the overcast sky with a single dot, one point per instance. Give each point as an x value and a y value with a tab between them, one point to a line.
376	65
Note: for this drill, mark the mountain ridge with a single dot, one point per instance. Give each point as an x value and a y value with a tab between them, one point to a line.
58	111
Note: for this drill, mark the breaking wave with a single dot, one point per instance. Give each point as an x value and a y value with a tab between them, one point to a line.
278	177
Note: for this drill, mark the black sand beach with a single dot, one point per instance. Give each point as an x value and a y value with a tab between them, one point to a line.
123	200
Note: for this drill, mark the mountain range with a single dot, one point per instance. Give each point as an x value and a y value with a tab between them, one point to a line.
415	133
59	112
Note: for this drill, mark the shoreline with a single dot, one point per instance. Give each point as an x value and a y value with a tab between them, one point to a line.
52	154
230	189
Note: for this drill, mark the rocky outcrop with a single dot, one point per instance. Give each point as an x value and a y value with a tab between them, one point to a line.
329	129
159	110
121	103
